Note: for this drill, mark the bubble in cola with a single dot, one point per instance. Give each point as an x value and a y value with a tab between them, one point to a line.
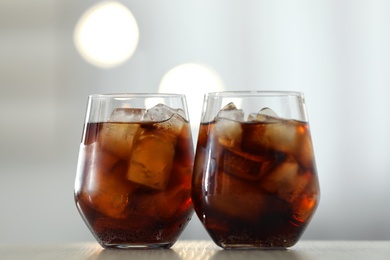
255	181
134	176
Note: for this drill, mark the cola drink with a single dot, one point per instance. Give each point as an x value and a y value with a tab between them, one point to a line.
255	180
134	176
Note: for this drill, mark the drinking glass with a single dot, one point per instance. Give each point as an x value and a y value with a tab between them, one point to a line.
255	181
134	170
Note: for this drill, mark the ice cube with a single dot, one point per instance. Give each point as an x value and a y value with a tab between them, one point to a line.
280	135
228	126
286	180
105	188
246	166
161	112
303	150
292	137
176	199
164	204
167	119
127	115
228	132
118	138
173	126
231	112
236	198
268	112
307	202
151	160
265	115
287	136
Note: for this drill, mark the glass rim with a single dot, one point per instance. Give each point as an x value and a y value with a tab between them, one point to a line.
264	93
135	95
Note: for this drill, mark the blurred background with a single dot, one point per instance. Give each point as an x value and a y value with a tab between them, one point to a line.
54	53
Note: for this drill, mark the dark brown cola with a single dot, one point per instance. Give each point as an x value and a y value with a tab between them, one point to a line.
133	181
255	182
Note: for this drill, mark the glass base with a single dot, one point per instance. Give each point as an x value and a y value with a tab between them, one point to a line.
251	247
137	246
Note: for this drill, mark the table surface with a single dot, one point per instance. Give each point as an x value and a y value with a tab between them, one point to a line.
205	250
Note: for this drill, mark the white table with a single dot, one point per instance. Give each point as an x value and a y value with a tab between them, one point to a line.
205	250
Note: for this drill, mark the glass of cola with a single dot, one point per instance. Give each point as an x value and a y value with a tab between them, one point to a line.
255	181
134	170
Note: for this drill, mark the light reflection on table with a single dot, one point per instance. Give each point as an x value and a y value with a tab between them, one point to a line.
205	250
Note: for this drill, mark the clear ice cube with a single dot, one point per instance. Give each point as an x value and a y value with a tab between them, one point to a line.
228	126
127	115
231	112
161	204
161	112
305	206
265	115
268	112
246	166
228	132
151	160
173	126
118	138
287	136
280	135
166	118
105	188
286	180
236	198
303	150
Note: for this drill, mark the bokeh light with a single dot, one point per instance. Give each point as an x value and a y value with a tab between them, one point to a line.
107	34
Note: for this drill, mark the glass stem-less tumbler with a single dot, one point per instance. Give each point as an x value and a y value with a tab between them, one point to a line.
134	171
255	181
